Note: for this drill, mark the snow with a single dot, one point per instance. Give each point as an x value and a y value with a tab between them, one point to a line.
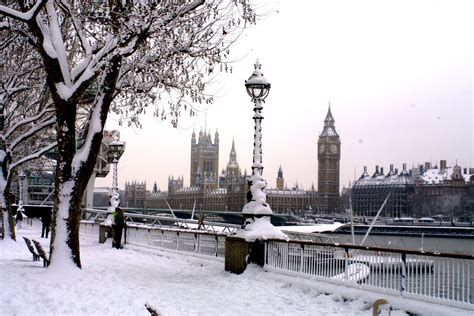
23	16
435	176
317	228
120	282
63	257
261	228
64	92
258	205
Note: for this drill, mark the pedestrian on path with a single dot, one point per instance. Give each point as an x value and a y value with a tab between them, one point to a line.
118	223
19	218
46	220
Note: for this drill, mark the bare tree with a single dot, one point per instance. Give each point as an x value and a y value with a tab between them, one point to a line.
122	55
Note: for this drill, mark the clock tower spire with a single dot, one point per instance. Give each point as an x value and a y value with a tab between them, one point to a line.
329	156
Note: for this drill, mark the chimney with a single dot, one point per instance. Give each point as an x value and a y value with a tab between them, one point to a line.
427	166
390	173
365	174
381	171
404	170
465	171
396	170
471	170
376	171
420	169
442	166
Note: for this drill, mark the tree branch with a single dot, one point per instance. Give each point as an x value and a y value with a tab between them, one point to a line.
23	16
27	121
31	132
33	156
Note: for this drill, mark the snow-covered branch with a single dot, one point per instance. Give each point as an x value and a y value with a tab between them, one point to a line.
23	16
31	132
29	120
37	154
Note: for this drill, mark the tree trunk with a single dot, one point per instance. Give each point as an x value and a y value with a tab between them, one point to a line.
8	208
72	173
7	218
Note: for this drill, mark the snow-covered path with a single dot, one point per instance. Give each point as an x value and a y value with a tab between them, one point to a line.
120	282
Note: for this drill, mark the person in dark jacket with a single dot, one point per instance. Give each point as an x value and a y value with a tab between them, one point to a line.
46	220
19	218
118	223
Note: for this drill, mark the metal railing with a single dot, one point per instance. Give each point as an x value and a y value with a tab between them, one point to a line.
96	215
89	228
438	278
191	241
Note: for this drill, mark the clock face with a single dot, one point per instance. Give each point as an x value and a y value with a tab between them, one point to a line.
333	149
321	149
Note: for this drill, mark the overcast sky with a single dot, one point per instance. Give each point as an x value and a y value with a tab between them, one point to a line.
398	75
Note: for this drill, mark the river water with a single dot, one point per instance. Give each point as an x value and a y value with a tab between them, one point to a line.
458	245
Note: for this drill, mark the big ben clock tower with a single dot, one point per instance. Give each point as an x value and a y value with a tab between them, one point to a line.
329	155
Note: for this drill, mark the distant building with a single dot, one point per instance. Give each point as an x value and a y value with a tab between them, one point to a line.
329	156
135	195
227	191
280	181
370	191
230	195
39	189
204	160
421	191
444	190
101	197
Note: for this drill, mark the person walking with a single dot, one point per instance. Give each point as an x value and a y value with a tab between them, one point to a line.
46	220
118	223
19	218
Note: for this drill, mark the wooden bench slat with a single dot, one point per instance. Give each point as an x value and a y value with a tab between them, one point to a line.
41	252
36	256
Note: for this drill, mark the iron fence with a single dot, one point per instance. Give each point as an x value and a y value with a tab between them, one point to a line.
198	242
439	278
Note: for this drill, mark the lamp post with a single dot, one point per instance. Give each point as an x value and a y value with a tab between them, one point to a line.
21	178
116	148
258	88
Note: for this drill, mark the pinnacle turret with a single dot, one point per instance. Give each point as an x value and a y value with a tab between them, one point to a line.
329	128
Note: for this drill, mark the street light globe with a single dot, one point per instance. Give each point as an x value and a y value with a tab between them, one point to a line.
116	146
257	85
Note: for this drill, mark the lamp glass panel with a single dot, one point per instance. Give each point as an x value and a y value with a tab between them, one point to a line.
257	91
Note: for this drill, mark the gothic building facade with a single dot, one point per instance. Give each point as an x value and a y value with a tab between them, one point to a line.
280	181
329	156
228	193
135	194
204	160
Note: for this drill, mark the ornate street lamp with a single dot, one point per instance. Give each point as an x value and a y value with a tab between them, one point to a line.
258	88
116	148
21	178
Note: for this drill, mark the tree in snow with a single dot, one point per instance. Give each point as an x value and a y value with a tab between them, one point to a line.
26	116
119	55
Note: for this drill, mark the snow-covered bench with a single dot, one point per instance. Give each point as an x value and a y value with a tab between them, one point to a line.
36	257
42	253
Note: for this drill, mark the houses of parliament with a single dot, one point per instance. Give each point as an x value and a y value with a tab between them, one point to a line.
226	191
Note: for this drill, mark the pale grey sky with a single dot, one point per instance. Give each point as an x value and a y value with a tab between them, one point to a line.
398	74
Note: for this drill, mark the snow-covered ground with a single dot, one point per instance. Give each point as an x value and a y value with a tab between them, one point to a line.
120	282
